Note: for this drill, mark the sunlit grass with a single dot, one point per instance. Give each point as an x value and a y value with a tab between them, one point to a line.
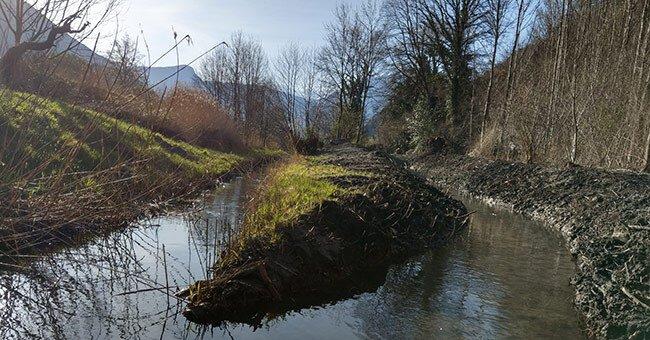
35	131
291	190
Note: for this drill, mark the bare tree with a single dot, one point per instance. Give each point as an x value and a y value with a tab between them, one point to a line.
309	89
289	70
495	19
255	79
411	53
213	75
523	7
37	26
355	49
454	26
128	60
296	76
646	167
238	79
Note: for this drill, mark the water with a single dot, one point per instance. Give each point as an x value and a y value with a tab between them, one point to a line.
505	278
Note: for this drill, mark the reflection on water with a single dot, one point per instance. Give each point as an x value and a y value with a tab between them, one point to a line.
504	278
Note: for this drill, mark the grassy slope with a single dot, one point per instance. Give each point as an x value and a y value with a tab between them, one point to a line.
293	189
67	171
42	135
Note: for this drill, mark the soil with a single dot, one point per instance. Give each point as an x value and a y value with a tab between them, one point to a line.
603	215
335	249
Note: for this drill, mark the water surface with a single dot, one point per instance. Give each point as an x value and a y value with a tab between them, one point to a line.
506	277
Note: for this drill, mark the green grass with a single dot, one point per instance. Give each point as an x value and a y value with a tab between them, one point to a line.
50	137
291	190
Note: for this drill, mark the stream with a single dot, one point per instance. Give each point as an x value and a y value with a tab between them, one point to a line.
505	277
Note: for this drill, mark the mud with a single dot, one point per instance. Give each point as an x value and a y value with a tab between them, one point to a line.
604	217
334	249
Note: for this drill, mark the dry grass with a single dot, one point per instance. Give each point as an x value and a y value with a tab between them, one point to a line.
194	117
184	114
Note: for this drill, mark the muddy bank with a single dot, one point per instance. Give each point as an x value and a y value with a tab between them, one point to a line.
603	215
379	213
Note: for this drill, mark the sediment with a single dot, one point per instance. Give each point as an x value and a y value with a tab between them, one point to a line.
603	215
333	249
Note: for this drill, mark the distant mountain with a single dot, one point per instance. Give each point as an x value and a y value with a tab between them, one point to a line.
67	43
70	44
167	77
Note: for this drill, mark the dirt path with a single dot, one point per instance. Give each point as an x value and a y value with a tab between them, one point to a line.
603	215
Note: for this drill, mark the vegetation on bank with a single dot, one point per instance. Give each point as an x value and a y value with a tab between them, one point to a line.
54	136
65	167
571	87
291	190
317	223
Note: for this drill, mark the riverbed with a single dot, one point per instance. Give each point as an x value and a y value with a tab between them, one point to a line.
504	277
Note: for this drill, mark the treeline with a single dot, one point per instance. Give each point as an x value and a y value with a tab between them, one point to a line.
305	92
552	81
579	88
540	81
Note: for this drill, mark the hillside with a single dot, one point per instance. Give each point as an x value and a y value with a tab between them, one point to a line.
54	155
44	131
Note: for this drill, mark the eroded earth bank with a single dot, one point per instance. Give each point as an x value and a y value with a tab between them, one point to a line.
319	224
604	217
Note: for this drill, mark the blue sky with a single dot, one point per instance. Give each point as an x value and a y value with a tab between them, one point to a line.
273	22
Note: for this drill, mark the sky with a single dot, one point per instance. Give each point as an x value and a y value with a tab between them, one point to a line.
274	23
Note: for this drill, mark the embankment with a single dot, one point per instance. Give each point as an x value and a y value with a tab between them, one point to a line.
603	215
321	226
67	172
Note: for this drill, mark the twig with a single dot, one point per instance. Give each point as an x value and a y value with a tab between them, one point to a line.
634	298
638	227
143	291
166	275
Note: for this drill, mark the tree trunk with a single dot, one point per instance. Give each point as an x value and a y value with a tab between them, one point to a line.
471	113
9	64
646	168
511	74
574	140
556	79
20	22
488	99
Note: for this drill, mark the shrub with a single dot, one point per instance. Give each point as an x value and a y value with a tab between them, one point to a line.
195	117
